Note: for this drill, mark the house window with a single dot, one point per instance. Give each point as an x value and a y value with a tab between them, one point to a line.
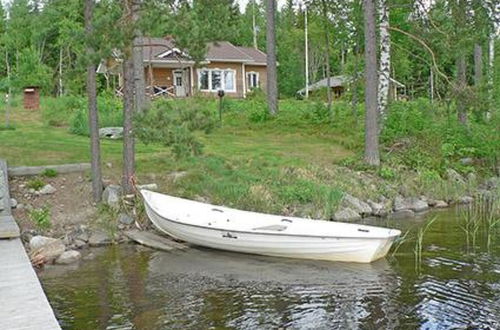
212	80
204	81
252	80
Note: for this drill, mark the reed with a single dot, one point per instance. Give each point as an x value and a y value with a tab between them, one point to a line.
417	250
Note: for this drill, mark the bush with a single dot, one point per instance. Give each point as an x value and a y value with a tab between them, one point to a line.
110	115
49	173
174	127
36	184
41	217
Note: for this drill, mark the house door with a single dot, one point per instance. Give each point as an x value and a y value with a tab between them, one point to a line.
179	84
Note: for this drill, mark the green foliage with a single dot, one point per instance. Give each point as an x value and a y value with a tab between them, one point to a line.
110	115
49	173
59	111
174	127
41	217
35	183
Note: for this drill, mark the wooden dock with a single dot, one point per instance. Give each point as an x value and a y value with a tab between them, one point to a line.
23	304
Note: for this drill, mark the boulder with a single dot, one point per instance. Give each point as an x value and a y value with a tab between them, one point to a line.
112	196
346	214
79	244
68	257
402	214
440	204
465	200
378	209
125	219
13	203
45	249
356	205
414	204
47	190
99	238
454	176
467	161
39	241
112	133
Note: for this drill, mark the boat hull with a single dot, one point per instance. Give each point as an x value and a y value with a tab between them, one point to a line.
362	250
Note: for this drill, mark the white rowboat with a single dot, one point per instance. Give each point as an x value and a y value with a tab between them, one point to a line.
229	229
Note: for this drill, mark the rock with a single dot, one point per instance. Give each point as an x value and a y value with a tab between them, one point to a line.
402	214
47	190
79	244
356	205
99	238
417	205
471	178
412	203
174	176
378	209
202	199
346	214
149	186
465	200
112	196
112	133
491	183
39	241
125	219
440	204
455	176
46	248
466	161
13	203
68	257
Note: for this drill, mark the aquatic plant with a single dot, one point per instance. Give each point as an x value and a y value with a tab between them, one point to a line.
417	250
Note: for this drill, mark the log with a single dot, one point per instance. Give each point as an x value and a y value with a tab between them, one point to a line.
154	241
36	170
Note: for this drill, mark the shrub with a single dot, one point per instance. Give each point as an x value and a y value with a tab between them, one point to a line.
41	217
110	115
36	184
49	173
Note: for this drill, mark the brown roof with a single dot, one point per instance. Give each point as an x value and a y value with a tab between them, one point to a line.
256	54
217	51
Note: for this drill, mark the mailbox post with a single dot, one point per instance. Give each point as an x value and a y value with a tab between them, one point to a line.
220	94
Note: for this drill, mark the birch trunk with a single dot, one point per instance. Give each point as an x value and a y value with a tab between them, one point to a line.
128	114
95	149
272	75
60	80
491	69
385	61
372	156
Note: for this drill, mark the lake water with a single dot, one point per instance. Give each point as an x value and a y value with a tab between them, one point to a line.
455	286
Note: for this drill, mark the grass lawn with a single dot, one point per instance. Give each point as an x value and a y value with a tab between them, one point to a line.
242	165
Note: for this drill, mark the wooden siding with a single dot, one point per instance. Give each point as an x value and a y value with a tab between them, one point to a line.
223	65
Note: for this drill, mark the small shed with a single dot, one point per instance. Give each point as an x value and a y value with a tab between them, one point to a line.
31	97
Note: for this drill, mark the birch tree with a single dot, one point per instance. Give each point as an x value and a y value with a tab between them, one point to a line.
385	61
372	156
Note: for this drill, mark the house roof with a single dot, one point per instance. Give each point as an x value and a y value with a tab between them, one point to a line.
164	49
337	81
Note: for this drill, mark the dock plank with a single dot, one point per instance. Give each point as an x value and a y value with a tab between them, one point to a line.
155	241
23	304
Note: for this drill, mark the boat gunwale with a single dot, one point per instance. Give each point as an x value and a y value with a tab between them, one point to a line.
272	234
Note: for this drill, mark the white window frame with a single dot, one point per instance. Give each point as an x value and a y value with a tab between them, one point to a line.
249	73
222	79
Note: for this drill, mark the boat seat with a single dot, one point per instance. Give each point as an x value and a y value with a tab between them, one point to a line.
272	228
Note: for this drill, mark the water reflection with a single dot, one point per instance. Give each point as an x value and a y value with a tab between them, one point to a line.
131	287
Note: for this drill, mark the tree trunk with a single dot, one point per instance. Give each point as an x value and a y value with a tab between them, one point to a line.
128	133
491	71
385	61
60	80
355	85
327	60
272	75
372	156
461	89
478	65
138	58
95	150
9	91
